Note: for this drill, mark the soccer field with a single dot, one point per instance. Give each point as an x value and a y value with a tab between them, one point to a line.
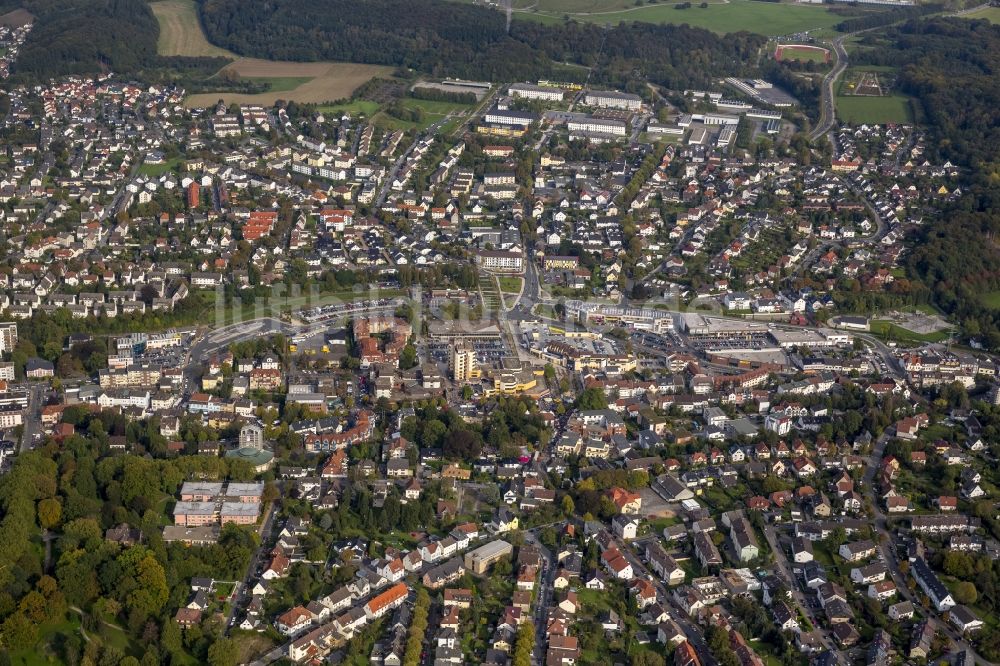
874	110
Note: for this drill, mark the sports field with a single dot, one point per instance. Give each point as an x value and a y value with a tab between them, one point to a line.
765	18
180	30
803	52
314	81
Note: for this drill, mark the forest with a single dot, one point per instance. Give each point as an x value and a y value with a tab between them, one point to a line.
87	36
452	39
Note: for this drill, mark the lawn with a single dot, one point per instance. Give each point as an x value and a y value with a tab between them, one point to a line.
157	170
874	110
765	18
43	652
991	14
510	285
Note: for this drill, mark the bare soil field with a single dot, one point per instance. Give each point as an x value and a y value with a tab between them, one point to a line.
17	18
329	81
180	31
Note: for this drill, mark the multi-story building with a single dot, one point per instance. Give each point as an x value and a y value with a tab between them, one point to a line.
500	261
607	99
528	91
8	337
463	362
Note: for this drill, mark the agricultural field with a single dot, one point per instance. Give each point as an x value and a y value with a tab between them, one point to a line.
16	18
180	30
766	18
181	35
316	81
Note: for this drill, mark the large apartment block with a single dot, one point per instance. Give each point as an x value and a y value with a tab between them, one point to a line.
607	99
215	503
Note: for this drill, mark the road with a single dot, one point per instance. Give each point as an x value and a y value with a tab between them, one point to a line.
239	594
32	417
793	584
828	108
888	554
383	193
690	629
544	598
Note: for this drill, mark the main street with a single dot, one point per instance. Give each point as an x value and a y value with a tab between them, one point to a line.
828	107
32	417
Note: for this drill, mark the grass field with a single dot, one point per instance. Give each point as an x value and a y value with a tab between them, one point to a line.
890	331
180	30
991	299
434	111
316	81
355	107
282	83
766	18
509	285
157	170
874	110
991	14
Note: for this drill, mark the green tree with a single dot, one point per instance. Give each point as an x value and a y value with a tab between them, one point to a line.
965	593
18	632
49	513
592	398
408	357
222	653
